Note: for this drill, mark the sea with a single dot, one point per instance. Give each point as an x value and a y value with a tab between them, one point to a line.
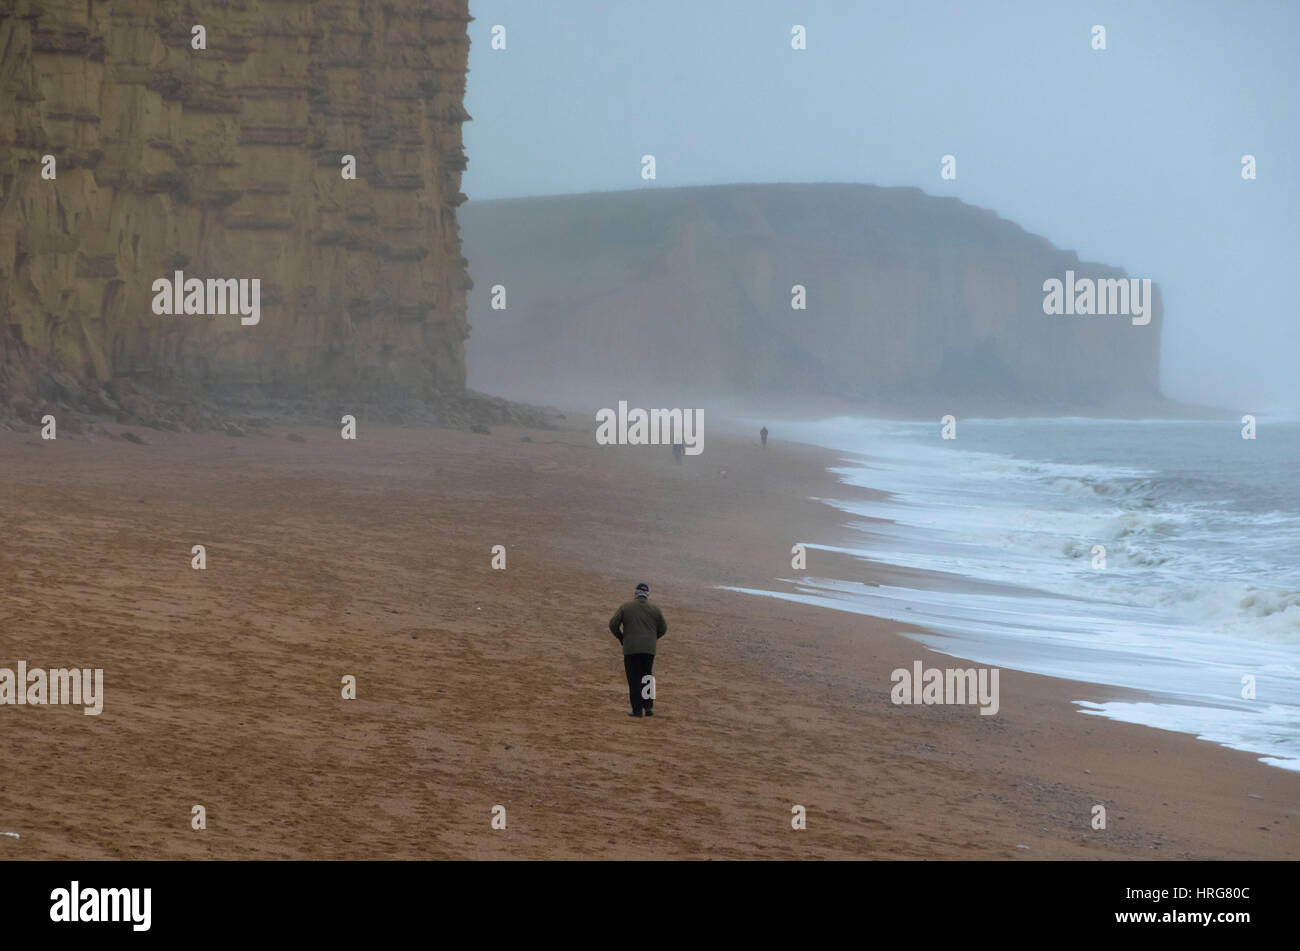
1154	555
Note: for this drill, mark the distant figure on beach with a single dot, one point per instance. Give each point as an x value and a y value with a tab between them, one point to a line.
679	451
638	625
762	434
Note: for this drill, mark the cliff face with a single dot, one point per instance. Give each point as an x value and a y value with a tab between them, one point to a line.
226	163
908	296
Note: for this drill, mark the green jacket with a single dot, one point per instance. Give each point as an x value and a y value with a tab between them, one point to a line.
639	625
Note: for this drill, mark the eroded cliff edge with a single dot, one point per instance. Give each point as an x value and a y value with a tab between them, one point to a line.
226	162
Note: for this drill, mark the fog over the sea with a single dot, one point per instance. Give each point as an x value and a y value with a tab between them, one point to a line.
1130	156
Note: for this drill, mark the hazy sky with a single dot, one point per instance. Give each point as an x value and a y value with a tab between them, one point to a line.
1130	156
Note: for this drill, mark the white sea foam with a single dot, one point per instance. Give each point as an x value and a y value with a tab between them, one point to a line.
1201	584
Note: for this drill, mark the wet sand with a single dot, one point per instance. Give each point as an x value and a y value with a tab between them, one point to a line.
478	687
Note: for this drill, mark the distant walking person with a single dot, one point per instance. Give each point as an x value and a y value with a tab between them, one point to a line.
762	434
638	625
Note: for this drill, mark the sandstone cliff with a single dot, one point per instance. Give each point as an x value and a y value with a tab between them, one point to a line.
226	163
908	296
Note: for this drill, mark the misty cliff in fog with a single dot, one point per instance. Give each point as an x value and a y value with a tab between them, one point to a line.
908	295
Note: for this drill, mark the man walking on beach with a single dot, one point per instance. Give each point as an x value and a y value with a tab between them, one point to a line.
762	434
638	625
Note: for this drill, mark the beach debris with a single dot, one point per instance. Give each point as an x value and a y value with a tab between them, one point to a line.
13	835
1254	796
1025	847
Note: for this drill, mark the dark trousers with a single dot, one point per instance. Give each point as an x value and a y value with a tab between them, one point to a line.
637	666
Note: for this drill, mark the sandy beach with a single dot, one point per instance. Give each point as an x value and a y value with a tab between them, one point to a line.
478	687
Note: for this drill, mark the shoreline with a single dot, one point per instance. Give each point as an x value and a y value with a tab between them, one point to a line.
478	687
1041	624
